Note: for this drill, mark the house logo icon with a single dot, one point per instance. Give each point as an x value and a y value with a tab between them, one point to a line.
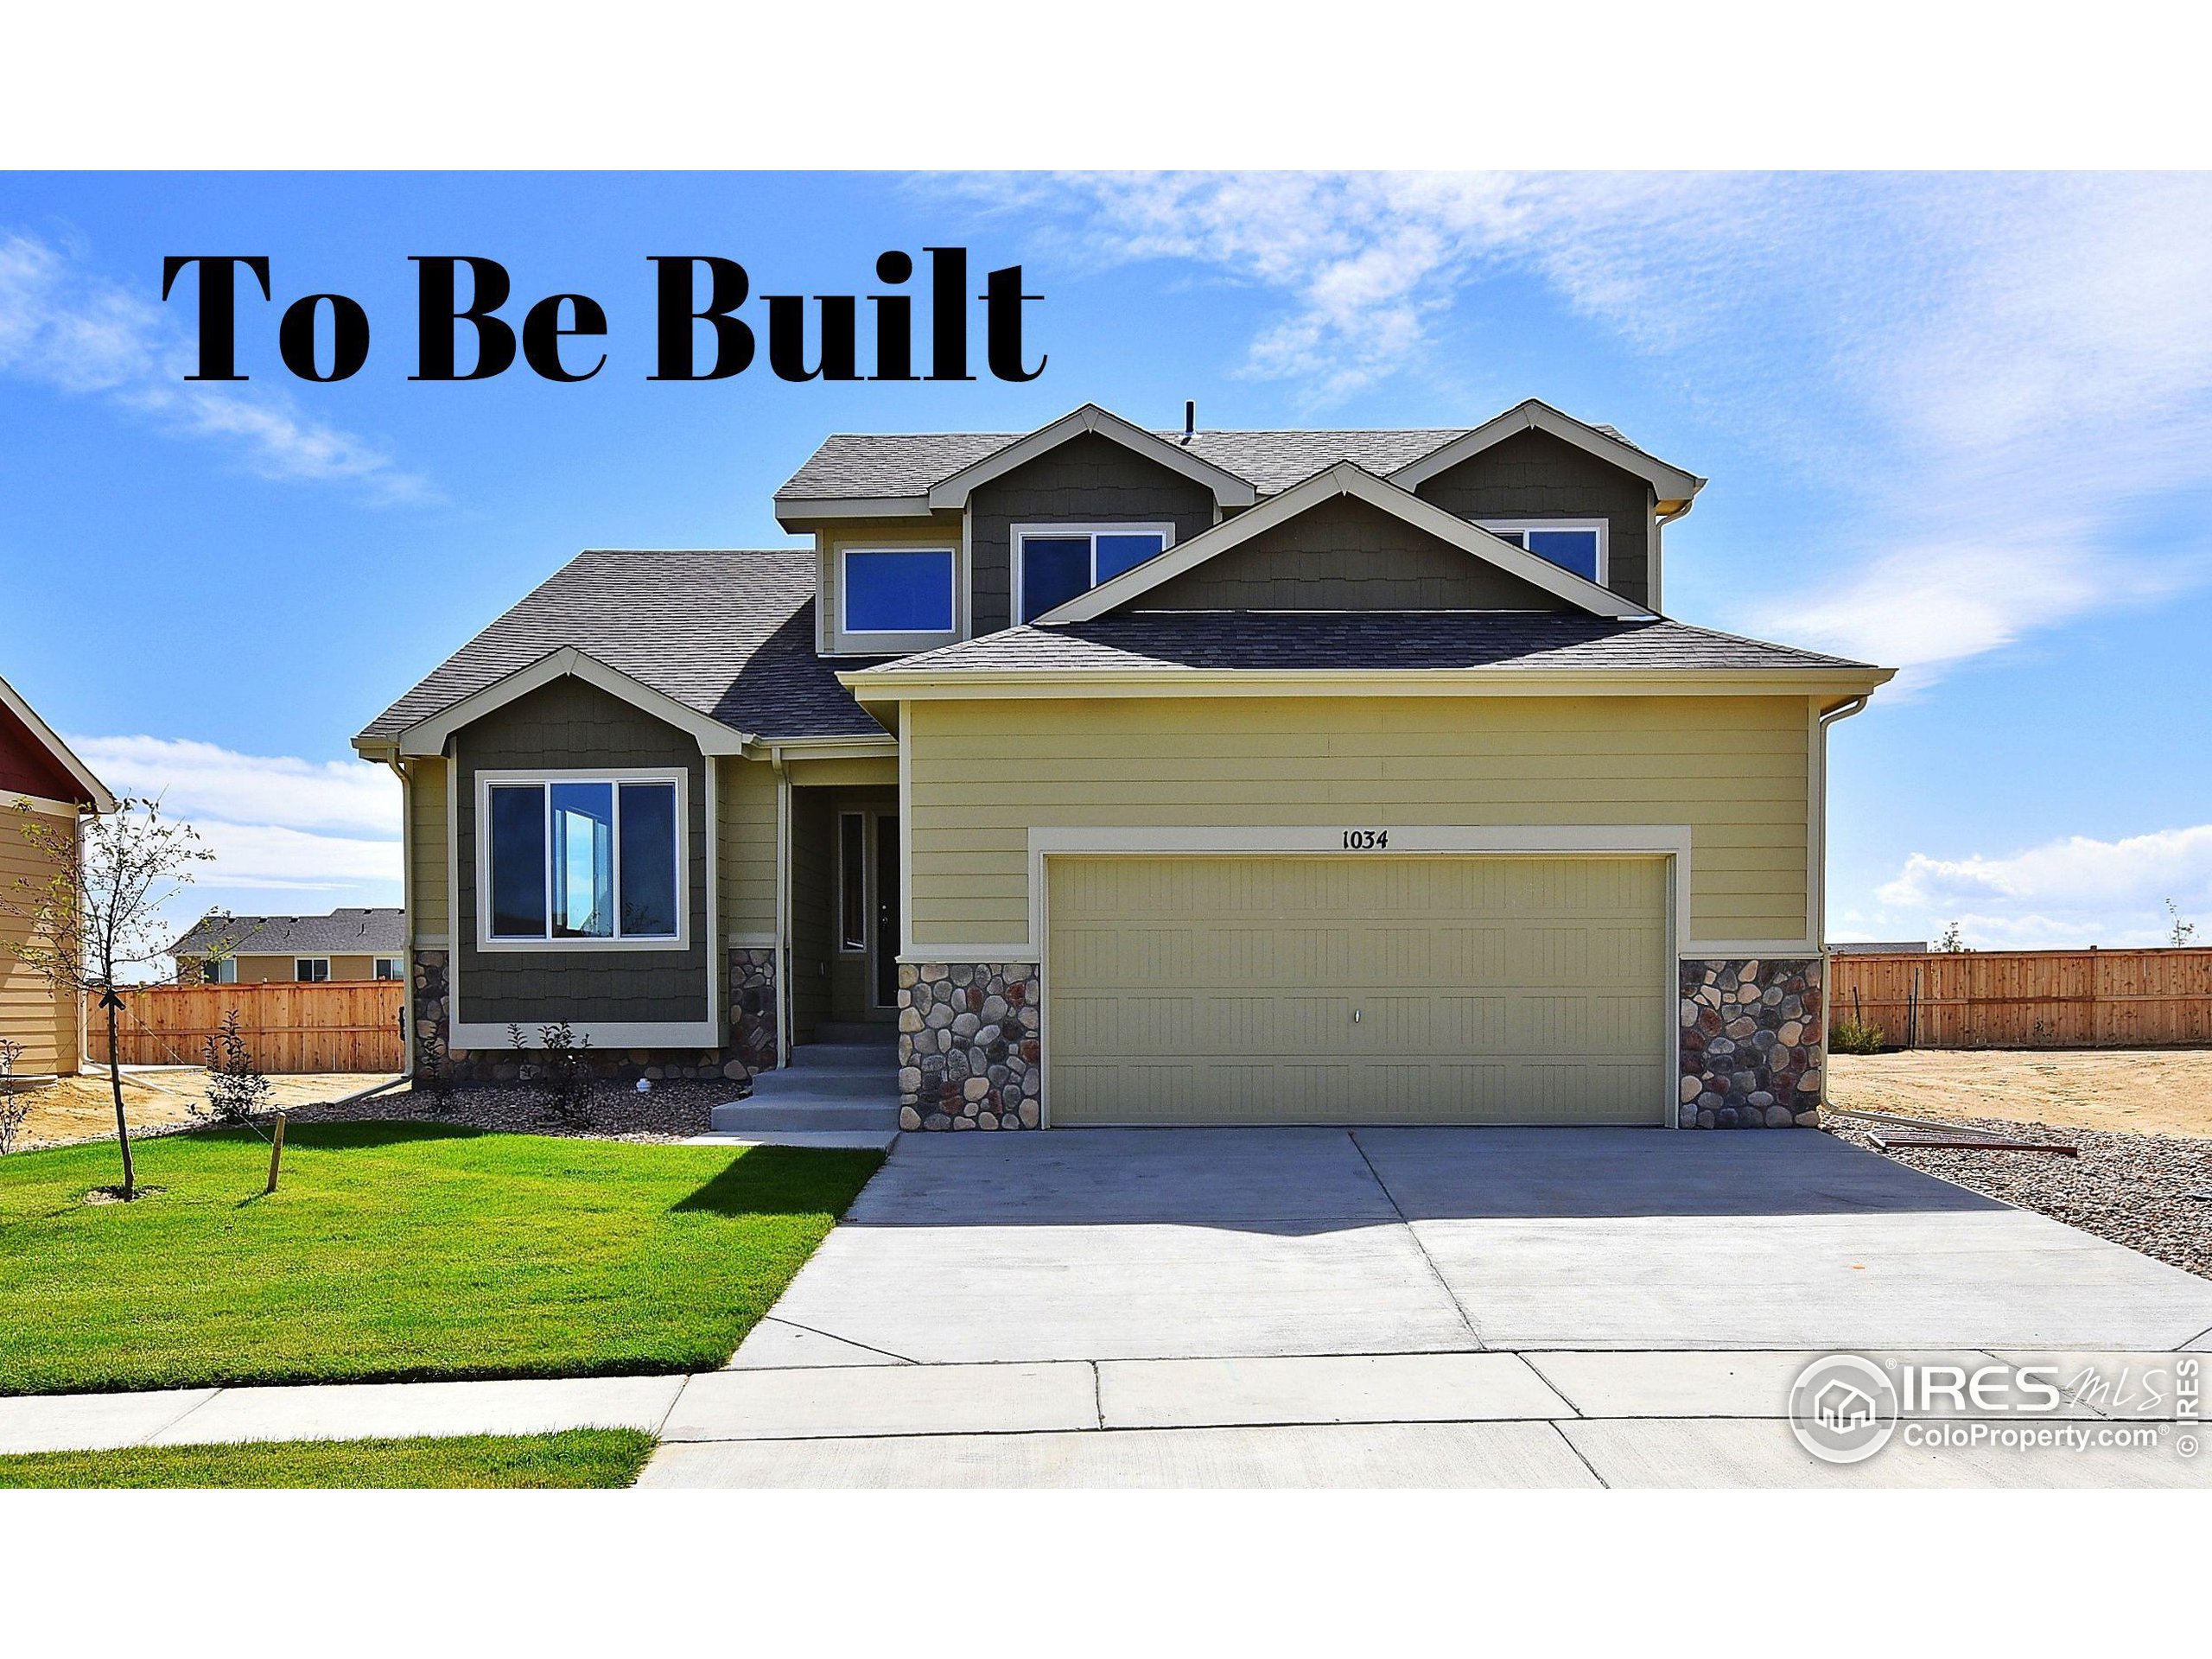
1843	1408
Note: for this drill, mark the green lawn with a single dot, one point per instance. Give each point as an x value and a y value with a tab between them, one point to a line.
399	1251
582	1457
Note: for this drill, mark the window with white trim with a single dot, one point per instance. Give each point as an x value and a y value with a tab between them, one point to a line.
1054	563
584	859
310	970
895	590
220	970
387	968
1573	544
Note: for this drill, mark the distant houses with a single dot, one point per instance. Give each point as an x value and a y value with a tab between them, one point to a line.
346	944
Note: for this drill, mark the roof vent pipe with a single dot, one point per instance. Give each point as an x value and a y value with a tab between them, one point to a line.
1189	419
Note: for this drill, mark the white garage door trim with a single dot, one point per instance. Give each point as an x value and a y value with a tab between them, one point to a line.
1671	841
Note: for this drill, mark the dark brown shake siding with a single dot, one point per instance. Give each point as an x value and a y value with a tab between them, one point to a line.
571	723
1535	475
1090	481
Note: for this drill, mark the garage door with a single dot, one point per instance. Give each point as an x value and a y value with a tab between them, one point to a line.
1459	989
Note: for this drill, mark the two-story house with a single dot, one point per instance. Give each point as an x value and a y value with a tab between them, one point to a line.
1149	778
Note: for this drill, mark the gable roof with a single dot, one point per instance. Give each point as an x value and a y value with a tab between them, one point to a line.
1344	479
727	634
96	794
376	932
1294	642
899	474
1229	490
1671	485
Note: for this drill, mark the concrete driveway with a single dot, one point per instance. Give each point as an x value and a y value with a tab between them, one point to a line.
1405	1307
1182	1243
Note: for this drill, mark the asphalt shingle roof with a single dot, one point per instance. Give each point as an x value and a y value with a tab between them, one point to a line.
1139	641
729	634
348	932
908	463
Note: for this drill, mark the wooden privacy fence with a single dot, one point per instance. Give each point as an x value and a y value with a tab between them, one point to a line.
289	1027
2028	999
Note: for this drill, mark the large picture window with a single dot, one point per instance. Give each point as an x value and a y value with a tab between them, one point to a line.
897	590
1058	562
585	859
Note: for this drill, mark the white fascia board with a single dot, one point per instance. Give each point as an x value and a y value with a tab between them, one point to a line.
1229	490
856	747
1669	483
102	800
429	736
1345	477
969	684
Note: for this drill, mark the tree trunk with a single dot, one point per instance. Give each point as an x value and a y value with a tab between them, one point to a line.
115	1080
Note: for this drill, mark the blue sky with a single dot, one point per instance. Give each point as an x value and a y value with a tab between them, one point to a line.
1955	422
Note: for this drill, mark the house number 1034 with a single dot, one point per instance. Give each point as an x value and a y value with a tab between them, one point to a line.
1366	840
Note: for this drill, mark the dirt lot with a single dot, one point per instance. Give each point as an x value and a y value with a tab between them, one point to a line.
2147	1090
82	1108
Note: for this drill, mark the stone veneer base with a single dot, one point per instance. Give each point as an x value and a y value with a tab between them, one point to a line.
967	1053
751	1048
1754	1042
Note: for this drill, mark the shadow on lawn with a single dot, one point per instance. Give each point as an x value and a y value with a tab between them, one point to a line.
774	1181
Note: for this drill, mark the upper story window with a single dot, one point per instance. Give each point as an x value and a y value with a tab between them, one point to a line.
1573	544
1054	563
581	861
310	970
387	968
893	590
220	970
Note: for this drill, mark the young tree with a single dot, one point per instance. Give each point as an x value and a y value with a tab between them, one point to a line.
1951	944
99	913
2181	931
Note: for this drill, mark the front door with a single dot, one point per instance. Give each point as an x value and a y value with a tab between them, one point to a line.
886	909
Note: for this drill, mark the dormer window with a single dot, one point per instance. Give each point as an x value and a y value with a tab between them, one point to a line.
1054	563
1578	545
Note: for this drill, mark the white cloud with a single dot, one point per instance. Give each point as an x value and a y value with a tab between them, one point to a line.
1992	369
267	818
192	777
2074	891
63	326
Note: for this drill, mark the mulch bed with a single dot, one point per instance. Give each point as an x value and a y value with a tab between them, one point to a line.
673	1111
2131	1189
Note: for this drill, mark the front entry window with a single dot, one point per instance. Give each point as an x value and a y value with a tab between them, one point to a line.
585	859
1060	562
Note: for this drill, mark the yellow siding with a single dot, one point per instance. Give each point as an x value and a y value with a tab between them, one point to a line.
426	832
859	771
31	1012
748	852
1733	769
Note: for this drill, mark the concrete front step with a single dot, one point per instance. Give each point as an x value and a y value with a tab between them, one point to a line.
822	1083
814	1057
744	1116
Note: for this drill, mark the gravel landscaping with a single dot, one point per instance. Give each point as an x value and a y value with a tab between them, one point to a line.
2133	1189
673	1111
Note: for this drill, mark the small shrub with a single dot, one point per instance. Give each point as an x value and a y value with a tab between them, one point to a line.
433	1071
15	1106
558	1069
1849	1036
236	1089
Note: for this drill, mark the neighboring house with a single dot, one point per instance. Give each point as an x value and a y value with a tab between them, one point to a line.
37	770
1149	778
347	944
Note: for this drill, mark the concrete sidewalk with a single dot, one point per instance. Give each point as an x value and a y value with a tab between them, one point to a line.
1568	1418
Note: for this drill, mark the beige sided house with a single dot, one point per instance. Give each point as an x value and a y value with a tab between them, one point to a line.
344	945
41	782
1148	778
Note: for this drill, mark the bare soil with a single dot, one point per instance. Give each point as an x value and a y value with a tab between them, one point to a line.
82	1108
2145	1091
